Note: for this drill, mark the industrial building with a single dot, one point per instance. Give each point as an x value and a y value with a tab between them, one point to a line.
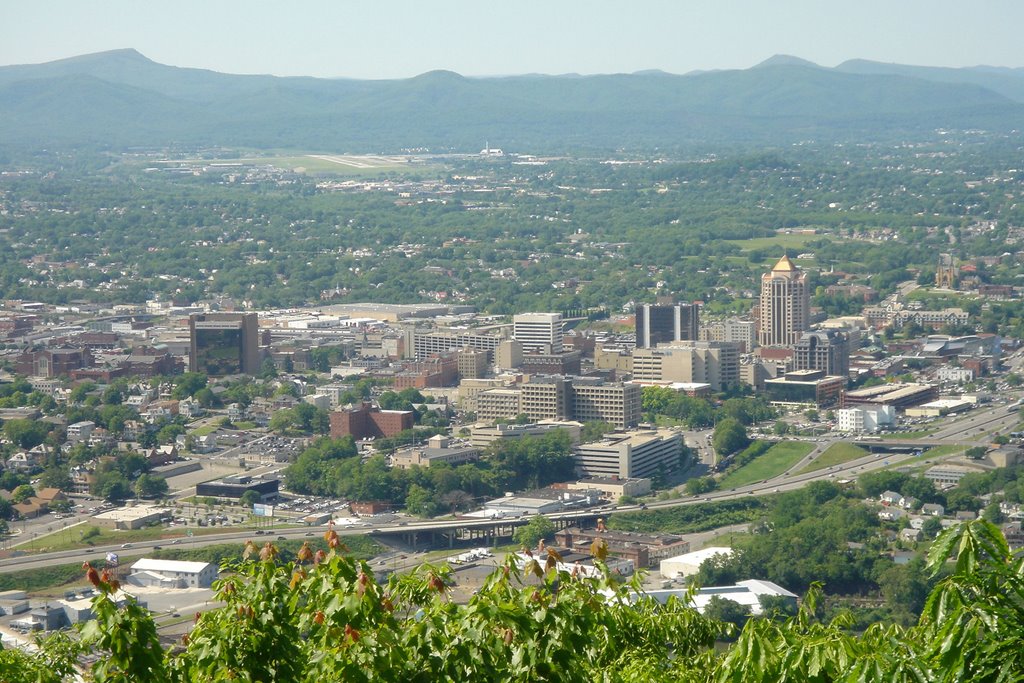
939	408
688	564
172	573
78	607
747	594
13	602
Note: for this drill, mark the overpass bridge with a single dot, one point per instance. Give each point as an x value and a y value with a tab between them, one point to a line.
913	445
477	531
898	445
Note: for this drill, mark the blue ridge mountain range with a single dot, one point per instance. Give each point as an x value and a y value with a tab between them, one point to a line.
120	98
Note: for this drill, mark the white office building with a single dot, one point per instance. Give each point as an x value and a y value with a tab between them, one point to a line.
538	332
630	454
858	420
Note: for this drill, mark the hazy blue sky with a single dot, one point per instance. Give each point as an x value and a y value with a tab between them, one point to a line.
401	38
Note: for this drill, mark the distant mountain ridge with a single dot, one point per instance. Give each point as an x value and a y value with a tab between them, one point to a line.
121	98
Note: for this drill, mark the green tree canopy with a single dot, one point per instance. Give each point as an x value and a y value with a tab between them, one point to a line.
530	534
729	436
150	486
249	498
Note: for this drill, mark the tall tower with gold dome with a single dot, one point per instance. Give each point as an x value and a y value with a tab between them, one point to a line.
785	305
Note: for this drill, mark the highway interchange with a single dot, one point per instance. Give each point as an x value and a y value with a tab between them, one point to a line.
964	430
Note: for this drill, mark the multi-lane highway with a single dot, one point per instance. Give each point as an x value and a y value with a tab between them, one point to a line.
784	482
965	430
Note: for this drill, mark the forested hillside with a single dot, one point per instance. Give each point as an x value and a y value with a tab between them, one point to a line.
120	98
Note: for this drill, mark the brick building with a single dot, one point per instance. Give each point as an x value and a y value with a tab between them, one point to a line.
368	421
53	362
645	550
437	371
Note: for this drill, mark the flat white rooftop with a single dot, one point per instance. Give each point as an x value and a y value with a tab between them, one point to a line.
698	556
152	565
131	513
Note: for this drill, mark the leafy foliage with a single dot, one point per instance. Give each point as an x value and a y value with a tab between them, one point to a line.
330	467
324	617
540	527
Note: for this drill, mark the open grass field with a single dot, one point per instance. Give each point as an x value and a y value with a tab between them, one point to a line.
778	242
917	434
836	454
945	449
943	298
72	537
774	462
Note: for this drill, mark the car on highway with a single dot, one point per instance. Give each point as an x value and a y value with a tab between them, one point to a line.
126	545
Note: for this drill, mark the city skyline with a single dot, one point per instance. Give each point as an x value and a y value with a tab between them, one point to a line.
404	39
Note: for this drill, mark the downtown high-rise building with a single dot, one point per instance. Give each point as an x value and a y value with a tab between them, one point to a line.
826	350
224	343
662	324
538	332
702	362
785	305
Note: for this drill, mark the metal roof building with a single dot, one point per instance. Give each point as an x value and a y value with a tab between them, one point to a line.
172	573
